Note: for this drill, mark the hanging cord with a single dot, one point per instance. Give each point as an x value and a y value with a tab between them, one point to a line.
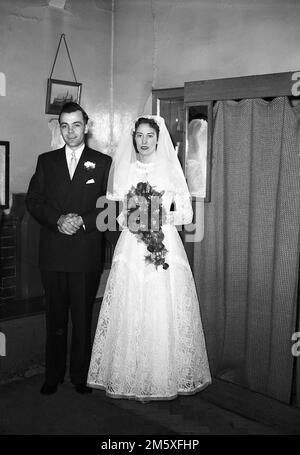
62	36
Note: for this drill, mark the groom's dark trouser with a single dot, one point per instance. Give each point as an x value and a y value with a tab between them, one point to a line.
63	291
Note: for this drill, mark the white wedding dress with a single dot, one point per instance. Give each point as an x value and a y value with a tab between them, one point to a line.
149	342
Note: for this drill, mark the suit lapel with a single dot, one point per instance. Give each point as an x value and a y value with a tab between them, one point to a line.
80	171
76	185
62	175
65	185
68	189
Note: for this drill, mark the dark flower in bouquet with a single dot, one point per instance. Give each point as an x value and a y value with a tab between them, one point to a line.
145	218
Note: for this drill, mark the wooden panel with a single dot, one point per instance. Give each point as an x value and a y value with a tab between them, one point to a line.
166	94
260	86
169	93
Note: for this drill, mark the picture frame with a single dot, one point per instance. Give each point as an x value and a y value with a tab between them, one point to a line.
198	148
4	174
60	92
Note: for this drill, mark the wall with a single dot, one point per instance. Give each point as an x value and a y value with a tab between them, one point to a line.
163	43
157	43
29	36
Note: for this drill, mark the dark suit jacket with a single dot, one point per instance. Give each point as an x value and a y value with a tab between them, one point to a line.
52	193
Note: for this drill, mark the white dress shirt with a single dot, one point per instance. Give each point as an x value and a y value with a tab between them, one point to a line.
77	152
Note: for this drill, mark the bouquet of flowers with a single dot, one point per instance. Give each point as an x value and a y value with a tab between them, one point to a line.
145	217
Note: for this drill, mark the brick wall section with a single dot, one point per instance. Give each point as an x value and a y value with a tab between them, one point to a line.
8	259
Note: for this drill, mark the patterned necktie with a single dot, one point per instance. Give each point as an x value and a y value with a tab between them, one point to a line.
72	165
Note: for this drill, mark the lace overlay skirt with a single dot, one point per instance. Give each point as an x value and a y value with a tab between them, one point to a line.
149	342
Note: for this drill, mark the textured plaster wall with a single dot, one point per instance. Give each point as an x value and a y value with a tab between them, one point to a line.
157	44
163	43
29	35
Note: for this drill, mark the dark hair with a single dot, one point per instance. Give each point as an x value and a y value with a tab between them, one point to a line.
150	121
73	107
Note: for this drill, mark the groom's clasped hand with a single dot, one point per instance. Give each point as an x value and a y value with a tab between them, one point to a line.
69	224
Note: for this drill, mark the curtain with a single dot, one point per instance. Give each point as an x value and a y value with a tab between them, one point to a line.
246	267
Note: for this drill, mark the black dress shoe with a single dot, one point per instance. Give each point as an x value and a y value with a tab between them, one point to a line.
82	388
48	389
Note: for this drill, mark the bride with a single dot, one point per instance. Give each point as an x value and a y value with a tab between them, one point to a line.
149	342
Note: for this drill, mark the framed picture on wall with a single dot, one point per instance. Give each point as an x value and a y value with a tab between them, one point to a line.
4	174
60	92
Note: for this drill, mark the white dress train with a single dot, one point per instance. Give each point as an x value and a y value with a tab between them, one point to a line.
149	342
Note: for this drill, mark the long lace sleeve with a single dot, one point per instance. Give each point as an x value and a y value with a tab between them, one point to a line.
183	213
122	218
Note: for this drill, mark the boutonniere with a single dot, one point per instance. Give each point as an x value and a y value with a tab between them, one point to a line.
89	165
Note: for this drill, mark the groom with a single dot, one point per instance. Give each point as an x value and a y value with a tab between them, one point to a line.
62	197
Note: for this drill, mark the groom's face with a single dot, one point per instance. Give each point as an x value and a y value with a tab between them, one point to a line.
73	129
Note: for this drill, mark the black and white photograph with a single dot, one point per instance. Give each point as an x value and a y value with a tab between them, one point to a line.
59	93
149	223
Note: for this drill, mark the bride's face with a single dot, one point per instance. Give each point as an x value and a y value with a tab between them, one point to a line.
146	140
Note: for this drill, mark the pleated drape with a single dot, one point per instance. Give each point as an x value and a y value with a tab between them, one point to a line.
246	266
